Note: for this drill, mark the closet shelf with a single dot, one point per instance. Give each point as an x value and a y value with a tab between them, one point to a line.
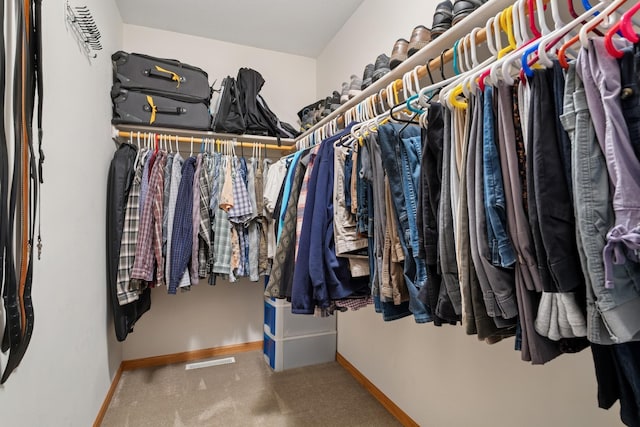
435	52
121	132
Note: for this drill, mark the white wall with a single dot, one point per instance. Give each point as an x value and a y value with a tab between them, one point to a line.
67	370
372	29
439	376
227	313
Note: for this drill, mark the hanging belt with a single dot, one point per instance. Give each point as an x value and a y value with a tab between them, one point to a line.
28	66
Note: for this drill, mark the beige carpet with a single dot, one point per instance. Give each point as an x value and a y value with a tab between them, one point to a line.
246	393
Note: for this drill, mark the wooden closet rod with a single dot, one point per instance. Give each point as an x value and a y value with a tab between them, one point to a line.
434	65
200	139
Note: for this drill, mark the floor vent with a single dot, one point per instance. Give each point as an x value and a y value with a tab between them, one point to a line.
208	363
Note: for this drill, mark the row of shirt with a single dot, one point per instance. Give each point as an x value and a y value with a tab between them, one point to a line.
186	220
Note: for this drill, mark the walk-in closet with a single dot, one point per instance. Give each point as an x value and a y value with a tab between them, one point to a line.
330	213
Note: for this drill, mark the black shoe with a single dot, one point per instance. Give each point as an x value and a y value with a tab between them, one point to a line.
381	67
464	8
335	100
442	19
367	76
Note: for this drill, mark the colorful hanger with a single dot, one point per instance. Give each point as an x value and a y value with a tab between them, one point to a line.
589	26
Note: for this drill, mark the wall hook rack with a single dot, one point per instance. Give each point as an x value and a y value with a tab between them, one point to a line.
81	23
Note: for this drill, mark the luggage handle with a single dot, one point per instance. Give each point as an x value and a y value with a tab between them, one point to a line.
150	107
162	73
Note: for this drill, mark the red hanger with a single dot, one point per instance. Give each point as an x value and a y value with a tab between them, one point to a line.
608	41
532	19
572	10
591	25
627	27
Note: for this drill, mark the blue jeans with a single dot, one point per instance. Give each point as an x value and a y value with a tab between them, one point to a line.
362	216
399	155
348	169
500	246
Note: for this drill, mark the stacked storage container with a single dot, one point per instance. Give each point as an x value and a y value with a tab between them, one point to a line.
294	340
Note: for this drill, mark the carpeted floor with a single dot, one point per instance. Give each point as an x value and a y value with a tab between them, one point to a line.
246	393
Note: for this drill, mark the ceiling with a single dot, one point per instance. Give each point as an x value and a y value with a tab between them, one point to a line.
299	27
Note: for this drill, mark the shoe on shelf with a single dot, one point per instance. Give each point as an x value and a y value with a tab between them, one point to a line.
399	53
344	97
464	8
306	122
380	68
420	36
335	100
441	19
355	87
367	76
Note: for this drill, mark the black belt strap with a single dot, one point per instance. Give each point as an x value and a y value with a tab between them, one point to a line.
13	328
28	66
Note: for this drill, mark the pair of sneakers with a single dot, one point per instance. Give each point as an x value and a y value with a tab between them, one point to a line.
448	14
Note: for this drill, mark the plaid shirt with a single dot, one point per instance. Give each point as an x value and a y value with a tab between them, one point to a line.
193	266
205	221
130	235
213	209
181	244
144	184
165	202
241	210
216	186
150	229
222	235
170	207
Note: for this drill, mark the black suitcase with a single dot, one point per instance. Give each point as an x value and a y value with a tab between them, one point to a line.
173	78
151	109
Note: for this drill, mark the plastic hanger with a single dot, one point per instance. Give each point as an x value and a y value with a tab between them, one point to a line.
523	19
532	19
453	98
515	55
608	41
541	17
515	18
488	29
555	13
504	19
625	24
572	9
508	26
589	26
442	64
456	70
